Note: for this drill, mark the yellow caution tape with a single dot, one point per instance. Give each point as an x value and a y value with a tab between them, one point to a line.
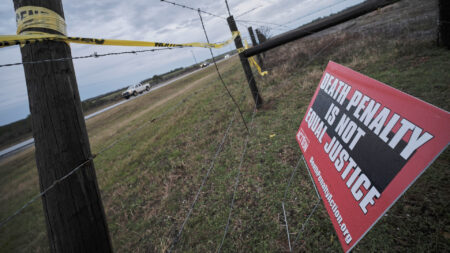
10	40
252	60
254	63
31	17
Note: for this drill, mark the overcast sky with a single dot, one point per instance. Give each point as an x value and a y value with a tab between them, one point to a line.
148	20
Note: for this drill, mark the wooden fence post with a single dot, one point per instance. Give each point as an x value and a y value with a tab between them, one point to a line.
252	36
247	70
444	22
73	210
261	39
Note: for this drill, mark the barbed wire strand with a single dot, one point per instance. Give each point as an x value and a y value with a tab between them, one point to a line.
191	8
247	12
260	22
56	182
283	26
314	12
220	75
94	55
211	166
129	134
219	149
237	179
313	57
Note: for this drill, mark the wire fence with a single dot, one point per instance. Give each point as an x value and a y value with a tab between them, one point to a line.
260	23
220	146
314	12
135	131
205	177
142	126
38	196
106	148
218	72
247	12
237	179
94	55
193	9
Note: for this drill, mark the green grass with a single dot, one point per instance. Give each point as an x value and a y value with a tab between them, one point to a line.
148	180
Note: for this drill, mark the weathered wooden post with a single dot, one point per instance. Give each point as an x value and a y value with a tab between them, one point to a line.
258	56
247	69
74	213
444	22
261	39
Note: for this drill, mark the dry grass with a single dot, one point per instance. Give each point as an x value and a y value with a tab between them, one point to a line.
148	180
19	170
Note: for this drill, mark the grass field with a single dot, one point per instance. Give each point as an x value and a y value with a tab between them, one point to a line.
169	137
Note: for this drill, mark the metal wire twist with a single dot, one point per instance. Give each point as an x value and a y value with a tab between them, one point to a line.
191	8
220	75
56	182
237	179
218	150
94	55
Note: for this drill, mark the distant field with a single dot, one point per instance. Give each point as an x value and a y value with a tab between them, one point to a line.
149	179
20	130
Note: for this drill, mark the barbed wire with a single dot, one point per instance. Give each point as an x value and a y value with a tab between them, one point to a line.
220	75
94	55
228	9
176	239
314	12
191	8
211	166
311	58
129	134
247	12
260	22
284	26
237	179
219	149
56	182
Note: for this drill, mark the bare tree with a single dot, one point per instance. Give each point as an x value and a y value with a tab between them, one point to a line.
266	31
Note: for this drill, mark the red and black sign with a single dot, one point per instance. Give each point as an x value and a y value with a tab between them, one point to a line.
365	143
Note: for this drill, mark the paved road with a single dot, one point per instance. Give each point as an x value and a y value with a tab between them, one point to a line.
30	142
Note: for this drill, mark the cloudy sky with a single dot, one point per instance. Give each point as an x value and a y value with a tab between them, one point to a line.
148	20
